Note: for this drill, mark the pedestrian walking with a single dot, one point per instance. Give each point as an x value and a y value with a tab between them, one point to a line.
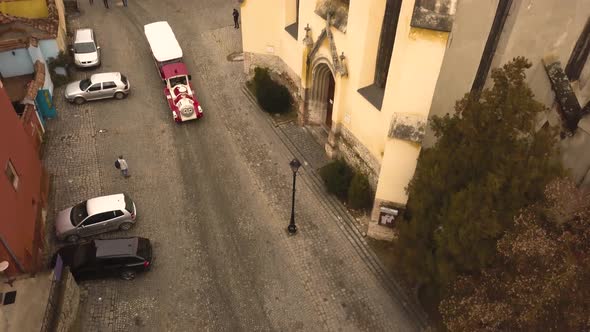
122	165
236	16
125	3
106	3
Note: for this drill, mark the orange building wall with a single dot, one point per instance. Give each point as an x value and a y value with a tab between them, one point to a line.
18	208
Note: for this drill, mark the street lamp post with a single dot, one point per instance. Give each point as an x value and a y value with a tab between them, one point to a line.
295	164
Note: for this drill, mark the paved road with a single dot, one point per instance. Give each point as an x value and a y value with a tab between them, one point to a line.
213	195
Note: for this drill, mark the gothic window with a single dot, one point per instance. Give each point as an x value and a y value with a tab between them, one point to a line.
386	41
374	93
292	15
579	54
493	38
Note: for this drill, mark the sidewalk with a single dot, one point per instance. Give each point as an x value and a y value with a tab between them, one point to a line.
329	245
301	143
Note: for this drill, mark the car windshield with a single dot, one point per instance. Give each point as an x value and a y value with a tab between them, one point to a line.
178	80
78	213
84	47
84	84
128	204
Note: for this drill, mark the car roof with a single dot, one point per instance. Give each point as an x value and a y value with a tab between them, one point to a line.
83	35
105	204
174	69
162	41
105	77
116	247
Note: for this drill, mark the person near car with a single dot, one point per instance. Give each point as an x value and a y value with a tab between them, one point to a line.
123	166
236	16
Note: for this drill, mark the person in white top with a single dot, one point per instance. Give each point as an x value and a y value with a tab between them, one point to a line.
123	166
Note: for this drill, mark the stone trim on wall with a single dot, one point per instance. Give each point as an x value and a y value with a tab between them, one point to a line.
316	97
338	65
334	11
69	303
273	62
342	143
407	127
279	71
569	106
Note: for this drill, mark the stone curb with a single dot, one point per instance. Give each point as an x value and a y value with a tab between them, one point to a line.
345	222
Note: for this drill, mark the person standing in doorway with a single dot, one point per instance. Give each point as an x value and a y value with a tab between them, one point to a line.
122	165
236	17
106	3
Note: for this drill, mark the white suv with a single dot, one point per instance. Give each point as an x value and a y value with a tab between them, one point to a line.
95	216
85	49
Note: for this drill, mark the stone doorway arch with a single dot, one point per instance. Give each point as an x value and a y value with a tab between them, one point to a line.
322	95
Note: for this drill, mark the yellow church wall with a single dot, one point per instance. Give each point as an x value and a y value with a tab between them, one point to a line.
412	77
260	29
411	82
399	163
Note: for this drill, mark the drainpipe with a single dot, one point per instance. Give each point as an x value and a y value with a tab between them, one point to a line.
12	255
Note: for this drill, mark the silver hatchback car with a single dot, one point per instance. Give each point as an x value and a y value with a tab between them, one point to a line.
95	216
85	49
98	86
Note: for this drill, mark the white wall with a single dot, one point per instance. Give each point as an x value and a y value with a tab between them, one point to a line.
37	54
16	65
49	48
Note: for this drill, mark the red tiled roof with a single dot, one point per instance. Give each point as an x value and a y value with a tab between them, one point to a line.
37	82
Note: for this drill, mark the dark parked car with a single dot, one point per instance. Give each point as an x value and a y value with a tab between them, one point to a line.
123	257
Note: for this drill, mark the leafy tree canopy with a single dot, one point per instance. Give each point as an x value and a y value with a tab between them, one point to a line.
488	163
541	281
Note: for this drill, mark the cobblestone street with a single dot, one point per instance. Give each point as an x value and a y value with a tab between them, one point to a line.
213	195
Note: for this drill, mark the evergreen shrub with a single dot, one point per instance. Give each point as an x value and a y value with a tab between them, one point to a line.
360	194
337	176
272	96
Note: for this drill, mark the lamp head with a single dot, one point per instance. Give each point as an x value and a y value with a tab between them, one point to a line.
295	164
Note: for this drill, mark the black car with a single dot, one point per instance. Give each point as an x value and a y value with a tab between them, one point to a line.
122	257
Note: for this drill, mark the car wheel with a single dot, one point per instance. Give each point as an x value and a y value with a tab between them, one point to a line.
125	226
79	100
120	95
73	238
128	275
